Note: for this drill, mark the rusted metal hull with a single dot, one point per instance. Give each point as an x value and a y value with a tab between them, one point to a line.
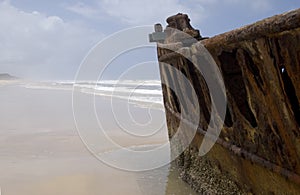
259	146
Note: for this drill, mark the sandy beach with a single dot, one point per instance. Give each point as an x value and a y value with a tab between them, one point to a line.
42	153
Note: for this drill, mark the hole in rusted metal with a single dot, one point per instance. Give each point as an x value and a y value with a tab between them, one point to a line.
290	92
234	83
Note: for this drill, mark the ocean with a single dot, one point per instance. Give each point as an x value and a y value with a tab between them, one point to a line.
135	91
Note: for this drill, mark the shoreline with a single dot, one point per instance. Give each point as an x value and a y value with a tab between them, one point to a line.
41	152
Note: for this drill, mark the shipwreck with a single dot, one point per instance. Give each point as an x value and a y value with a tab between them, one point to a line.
258	148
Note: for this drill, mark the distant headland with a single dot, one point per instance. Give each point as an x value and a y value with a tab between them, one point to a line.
6	76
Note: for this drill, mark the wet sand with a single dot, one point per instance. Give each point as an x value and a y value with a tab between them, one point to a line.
42	153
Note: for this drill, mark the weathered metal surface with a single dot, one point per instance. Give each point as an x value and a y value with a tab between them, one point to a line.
260	64
158	35
243	153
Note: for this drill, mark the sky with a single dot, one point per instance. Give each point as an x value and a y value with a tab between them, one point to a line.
42	39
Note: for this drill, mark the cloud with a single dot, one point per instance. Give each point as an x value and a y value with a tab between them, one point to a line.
36	45
84	10
143	12
135	12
